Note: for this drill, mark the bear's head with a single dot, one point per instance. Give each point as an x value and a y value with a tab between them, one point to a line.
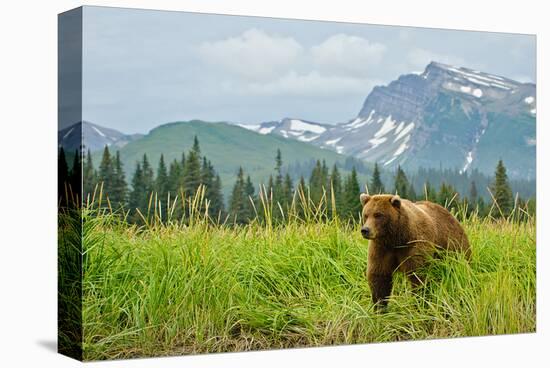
380	215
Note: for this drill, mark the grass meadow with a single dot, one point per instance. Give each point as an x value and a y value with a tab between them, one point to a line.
198	286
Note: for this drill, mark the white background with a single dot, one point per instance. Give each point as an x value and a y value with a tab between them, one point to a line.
28	136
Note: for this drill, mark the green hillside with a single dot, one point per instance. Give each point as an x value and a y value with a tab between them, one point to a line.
227	146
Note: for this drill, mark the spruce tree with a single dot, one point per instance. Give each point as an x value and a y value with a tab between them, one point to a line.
237	202
278	190
161	187
316	183
89	177
447	196
161	181
270	188
335	190
138	195
216	199
208	176
302	193
119	192
196	147
182	172
325	179
429	192
288	190
106	173
147	183
352	191
192	170
501	190
173	186
148	179
473	192
174	179
250	196
401	184
63	190
376	186
183	160
302	185
75	176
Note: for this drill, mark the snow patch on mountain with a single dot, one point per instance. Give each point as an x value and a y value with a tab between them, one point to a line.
399	127
466	89
307	139
387	127
486	79
359	122
68	133
404	132
390	161
98	131
469	159
408	117
253	127
332	142
266	130
375	142
402	147
301	126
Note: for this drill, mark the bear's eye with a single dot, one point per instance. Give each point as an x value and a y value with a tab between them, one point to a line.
378	215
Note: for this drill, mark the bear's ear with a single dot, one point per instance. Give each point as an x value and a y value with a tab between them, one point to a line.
364	198
396	201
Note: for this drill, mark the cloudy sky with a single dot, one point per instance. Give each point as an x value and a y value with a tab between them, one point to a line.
145	68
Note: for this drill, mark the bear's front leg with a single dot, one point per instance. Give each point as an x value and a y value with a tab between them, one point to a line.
380	287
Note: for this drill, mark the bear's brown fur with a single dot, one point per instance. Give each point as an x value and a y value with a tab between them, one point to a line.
402	236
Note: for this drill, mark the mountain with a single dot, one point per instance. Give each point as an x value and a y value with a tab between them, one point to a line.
93	137
449	117
302	130
227	146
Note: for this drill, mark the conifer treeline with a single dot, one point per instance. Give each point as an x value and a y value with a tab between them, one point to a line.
182	178
280	190
435	176
68	179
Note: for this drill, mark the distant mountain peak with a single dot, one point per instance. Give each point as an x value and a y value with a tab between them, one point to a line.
469	78
86	135
447	116
299	129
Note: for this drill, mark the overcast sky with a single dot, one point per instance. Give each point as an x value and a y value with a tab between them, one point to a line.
144	68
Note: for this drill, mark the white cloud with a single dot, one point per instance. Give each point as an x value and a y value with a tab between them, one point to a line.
342	54
254	54
259	63
418	58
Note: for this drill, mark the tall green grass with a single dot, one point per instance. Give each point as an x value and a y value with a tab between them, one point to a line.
197	286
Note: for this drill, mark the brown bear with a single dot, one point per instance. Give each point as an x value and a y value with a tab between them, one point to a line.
402	236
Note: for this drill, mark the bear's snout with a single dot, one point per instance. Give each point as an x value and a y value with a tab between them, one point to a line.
365	231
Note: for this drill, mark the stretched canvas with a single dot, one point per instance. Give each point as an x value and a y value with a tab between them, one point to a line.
235	183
